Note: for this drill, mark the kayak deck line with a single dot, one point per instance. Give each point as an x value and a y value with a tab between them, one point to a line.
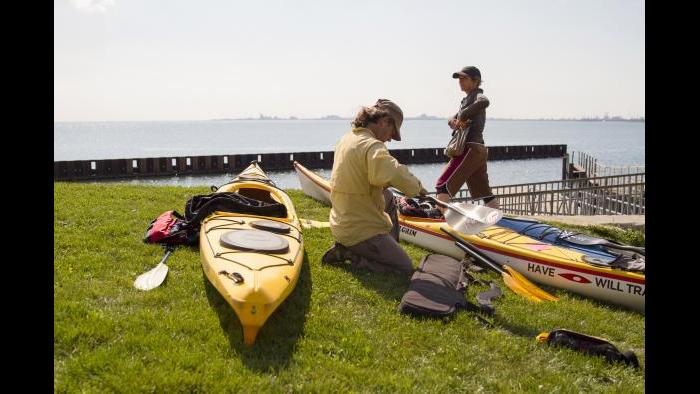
222	227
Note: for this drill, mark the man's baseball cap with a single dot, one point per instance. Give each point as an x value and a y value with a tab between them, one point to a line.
395	113
468	71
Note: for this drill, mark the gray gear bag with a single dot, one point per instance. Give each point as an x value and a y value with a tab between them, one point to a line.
438	289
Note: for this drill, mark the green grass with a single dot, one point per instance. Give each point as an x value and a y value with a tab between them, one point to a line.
338	331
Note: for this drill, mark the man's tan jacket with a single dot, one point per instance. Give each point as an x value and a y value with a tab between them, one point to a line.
362	168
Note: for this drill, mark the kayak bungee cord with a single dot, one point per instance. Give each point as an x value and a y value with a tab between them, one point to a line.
507	236
219	255
222	217
234	221
223	226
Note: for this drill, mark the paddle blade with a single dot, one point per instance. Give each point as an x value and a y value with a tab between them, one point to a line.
153	278
530	287
308	223
519	289
471	218
513	279
480	213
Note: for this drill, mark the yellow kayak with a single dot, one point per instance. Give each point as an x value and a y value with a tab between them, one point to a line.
253	261
539	261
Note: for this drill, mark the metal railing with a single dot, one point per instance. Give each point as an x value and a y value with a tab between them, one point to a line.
593	168
606	195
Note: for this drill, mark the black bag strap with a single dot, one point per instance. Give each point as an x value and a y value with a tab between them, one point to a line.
200	206
485	298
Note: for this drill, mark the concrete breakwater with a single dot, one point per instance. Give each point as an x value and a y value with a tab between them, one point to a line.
221	164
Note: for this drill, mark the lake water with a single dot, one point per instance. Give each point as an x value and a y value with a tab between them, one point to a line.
612	143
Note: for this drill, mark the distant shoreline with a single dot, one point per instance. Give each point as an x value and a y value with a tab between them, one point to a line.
642	120
438	118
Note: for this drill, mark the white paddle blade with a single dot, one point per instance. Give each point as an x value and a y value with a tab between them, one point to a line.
480	213
463	224
471	218
153	278
308	223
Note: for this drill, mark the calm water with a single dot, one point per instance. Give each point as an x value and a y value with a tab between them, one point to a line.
613	143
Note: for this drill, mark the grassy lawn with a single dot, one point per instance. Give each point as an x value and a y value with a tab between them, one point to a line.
339	330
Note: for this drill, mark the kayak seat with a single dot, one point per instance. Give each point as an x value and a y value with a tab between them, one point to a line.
412	208
258	194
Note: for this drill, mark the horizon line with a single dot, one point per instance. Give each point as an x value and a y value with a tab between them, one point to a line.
335	117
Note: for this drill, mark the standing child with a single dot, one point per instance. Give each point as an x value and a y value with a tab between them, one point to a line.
470	166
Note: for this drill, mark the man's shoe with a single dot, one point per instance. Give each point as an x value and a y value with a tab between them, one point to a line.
336	254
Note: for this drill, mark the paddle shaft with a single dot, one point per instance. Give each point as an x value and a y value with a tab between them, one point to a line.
566	236
514	280
146	280
167	254
427	196
636	249
438	202
472	251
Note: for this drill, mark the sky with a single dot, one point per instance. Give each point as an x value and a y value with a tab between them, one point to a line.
139	60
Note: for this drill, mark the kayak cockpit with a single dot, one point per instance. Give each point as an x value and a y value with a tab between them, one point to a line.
258	194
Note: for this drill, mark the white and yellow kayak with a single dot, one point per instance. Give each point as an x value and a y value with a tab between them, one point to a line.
540	262
253	261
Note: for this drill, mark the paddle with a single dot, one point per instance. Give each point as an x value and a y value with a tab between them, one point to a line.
587	240
464	217
153	278
571	236
309	223
512	278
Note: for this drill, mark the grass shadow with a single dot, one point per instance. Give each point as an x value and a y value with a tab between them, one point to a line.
515	329
277	339
603	304
390	285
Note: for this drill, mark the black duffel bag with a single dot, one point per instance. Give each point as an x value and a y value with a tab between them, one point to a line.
200	206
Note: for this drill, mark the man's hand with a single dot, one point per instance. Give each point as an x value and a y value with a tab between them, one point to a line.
452	123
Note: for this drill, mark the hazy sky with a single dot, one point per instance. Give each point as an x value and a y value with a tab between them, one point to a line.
190	60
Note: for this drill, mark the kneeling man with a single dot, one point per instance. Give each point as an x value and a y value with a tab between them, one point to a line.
363	215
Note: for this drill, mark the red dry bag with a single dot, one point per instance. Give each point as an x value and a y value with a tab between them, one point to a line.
170	228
